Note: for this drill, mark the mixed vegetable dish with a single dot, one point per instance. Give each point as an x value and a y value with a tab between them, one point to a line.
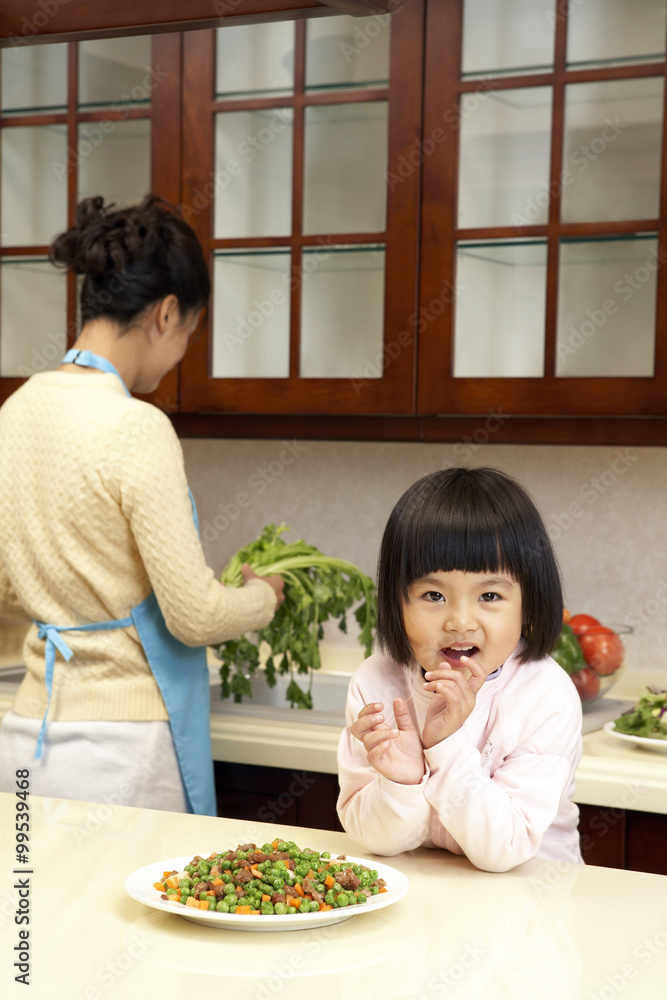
648	718
278	878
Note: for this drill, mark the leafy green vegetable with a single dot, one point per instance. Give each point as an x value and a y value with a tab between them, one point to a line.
648	718
317	587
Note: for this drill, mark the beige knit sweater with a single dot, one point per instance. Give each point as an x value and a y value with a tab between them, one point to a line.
94	514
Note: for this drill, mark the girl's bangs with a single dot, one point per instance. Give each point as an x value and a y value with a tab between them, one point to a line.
471	544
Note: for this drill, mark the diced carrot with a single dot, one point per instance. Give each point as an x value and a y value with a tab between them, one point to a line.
191	901
216	881
323	907
274	843
171	882
294	901
245	909
203	903
329	881
311	875
298	888
382	889
265	898
160	886
227	871
256	872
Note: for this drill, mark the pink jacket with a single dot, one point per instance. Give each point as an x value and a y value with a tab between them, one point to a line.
499	790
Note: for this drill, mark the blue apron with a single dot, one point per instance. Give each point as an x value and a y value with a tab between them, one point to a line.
180	671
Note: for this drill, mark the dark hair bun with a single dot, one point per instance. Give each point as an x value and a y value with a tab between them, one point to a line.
103	238
132	257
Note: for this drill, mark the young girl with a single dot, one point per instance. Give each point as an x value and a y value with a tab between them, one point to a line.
98	540
462	732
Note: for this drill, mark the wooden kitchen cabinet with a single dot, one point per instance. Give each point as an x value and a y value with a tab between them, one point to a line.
499	277
610	838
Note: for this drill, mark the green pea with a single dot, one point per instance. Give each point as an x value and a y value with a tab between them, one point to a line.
190	868
204	867
361	898
267	908
375	889
227	878
266	848
291	909
241	855
320	887
280	908
212	904
330	897
282	846
341	899
222	906
232	899
325	854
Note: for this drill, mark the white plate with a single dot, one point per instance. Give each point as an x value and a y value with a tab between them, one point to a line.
139	885
658	746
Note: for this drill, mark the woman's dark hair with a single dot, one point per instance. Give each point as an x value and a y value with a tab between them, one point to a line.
473	520
132	258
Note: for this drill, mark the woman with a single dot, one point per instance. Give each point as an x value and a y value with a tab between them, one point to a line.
98	538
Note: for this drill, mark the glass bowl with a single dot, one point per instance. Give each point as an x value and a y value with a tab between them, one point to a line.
600	675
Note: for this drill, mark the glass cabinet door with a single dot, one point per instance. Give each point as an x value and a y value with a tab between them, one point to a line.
313	244
76	120
547	267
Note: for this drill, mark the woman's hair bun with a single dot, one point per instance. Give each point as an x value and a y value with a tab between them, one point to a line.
132	257
104	238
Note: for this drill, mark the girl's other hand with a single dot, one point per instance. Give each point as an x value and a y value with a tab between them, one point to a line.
276	582
395	753
455	693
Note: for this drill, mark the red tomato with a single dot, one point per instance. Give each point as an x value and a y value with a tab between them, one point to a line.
587	683
603	650
581	624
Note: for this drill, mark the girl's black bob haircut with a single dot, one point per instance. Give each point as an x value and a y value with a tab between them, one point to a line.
473	520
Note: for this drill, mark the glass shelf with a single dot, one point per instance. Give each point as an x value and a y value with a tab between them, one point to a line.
507	37
504	157
33	183
251	314
612	150
500	309
615	33
342	311
253	172
255	60
347	52
345	166
606	307
33	319
115	163
34	79
116	72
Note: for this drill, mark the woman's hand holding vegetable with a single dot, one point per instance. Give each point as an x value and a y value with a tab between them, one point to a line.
454	694
395	753
276	582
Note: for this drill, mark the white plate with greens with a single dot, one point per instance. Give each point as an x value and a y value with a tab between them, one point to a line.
644	742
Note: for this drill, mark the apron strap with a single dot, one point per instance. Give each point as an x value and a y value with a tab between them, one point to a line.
54	641
89	360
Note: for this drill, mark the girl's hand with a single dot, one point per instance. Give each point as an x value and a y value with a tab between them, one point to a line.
395	753
455	693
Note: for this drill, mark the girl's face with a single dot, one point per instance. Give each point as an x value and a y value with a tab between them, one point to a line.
449	615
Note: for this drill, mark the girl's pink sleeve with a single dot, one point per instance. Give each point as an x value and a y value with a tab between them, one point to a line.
386	817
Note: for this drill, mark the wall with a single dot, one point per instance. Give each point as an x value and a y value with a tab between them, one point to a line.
605	508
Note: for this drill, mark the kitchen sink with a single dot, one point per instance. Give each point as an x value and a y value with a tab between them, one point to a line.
329	695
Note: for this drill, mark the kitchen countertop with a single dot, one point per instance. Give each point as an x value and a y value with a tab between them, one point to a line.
543	930
610	773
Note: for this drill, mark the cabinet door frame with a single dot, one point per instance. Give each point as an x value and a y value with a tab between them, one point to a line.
387	385
439	392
